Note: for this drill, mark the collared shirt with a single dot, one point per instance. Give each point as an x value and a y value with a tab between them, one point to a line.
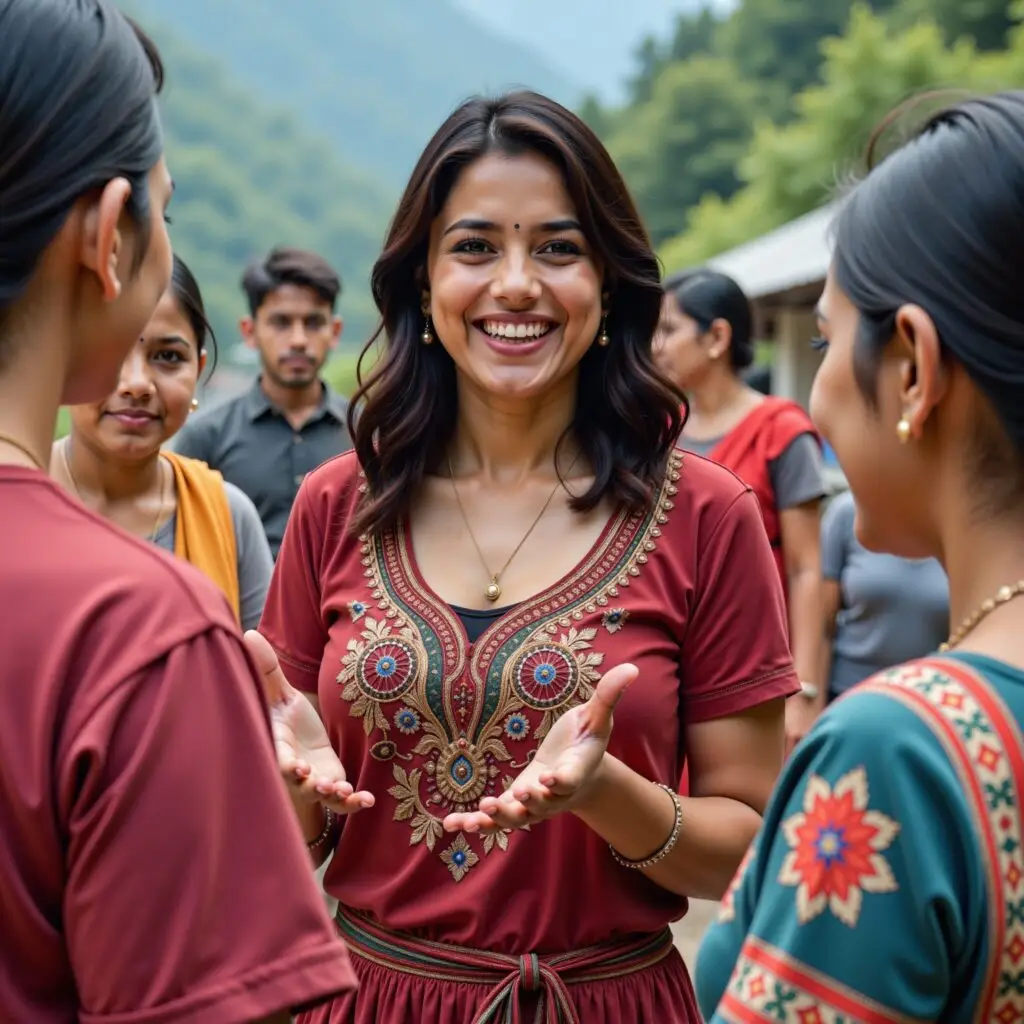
252	444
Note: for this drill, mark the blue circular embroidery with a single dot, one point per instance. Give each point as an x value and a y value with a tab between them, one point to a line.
387	669
831	845
407	721
544	674
517	726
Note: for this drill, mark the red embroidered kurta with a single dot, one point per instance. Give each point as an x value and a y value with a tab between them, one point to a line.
429	723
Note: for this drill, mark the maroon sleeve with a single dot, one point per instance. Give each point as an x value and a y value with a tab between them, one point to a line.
292	620
736	649
189	891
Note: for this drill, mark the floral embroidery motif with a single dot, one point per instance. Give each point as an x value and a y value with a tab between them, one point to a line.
356	609
517	726
406	721
983	744
768	984
614	619
458	711
835	849
551	677
459	858
380	668
727	908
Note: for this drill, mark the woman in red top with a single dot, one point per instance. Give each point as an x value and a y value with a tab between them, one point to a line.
514	522
704	342
150	868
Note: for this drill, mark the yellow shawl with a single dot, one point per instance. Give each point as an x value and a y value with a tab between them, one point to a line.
205	533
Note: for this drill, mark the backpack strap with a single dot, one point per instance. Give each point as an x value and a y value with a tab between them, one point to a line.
983	742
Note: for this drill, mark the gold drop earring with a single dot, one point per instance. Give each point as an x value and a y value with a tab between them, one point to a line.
193	405
427	337
903	430
602	339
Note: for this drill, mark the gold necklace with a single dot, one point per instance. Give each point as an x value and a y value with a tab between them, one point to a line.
66	464
1003	595
13	442
493	589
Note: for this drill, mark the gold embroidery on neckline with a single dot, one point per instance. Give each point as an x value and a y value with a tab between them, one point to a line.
409	678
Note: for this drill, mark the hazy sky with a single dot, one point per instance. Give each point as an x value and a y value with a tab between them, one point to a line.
592	40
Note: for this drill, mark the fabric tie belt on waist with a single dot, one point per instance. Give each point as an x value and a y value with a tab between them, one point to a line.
508	976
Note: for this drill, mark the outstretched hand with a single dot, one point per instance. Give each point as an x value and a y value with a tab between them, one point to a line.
309	765
563	768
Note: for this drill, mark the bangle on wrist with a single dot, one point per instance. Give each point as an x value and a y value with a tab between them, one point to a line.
314	844
666	848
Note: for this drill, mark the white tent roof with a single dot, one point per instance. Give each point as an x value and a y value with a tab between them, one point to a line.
796	254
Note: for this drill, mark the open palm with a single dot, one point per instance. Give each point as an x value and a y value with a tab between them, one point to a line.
562	768
309	764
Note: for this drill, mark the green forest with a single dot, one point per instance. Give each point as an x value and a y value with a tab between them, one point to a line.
737	124
734	123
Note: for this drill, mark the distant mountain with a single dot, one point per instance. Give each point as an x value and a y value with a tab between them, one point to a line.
375	77
250	176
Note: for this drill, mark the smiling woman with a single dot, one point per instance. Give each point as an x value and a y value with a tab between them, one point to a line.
541	201
514	522
112	459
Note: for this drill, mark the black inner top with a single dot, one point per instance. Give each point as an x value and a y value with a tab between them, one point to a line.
477	620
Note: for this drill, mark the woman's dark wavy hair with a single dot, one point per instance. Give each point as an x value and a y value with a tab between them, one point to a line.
78	87
185	289
939	223
627	415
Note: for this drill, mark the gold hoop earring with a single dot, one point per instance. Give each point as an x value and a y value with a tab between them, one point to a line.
427	337
903	430
194	404
602	339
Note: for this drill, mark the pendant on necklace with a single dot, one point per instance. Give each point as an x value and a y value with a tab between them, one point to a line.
493	591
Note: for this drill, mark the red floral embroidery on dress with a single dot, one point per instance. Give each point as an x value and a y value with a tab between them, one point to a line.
450	713
835	849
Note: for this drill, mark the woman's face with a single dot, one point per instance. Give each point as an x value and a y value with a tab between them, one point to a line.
154	392
681	348
515	289
889	483
105	334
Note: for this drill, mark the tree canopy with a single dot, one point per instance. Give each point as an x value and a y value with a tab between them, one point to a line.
737	124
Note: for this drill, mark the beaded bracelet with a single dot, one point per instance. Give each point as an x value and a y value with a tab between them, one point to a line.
666	847
328	825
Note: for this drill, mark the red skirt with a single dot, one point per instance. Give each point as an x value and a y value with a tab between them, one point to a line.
403	979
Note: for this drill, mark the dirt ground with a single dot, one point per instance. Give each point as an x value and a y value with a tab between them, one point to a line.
690	930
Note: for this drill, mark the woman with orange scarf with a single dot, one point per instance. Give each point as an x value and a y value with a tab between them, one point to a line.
113	462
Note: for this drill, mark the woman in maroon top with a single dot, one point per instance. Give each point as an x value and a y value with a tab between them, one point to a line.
144	833
514	522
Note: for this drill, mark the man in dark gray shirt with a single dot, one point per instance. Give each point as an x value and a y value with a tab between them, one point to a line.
267	439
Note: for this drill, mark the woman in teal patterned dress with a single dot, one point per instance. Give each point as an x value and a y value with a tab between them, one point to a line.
887	881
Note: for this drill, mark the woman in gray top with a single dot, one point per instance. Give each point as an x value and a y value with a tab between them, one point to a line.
880	610
112	459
